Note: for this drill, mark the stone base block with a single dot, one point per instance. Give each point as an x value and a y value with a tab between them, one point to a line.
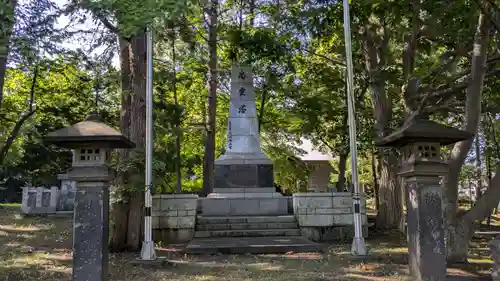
244	176
330	233
173	236
241	206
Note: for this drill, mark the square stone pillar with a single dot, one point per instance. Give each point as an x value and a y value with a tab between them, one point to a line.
422	169
244	176
92	143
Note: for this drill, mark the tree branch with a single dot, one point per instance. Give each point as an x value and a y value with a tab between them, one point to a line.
17	127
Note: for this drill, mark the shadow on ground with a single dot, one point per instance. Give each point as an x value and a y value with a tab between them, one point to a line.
39	248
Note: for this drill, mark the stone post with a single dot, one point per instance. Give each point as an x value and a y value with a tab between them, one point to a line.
422	169
495	254
92	142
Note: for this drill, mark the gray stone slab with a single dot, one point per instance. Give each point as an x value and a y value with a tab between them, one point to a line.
66	200
426	248
248	226
91	233
45	199
245	219
247	233
244	206
31	199
252	245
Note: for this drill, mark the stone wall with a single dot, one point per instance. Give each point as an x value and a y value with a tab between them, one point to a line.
39	200
174	217
326	216
66	197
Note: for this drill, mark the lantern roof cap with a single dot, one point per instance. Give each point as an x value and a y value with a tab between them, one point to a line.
89	133
421	129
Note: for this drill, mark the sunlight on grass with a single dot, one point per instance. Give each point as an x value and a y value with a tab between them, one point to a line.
478	261
397	250
31	227
10	205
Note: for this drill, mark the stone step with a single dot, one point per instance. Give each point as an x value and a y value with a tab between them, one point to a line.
241	226
202	220
252	245
247	233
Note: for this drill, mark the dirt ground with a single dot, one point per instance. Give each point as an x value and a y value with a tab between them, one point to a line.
39	248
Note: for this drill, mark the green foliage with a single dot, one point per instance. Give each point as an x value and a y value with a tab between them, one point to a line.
63	95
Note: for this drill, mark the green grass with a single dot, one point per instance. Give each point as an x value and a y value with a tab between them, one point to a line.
39	248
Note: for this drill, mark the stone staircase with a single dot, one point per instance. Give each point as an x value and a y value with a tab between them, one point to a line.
246	226
249	234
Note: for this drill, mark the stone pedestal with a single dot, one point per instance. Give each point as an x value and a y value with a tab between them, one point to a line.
426	255
422	168
244	181
91	223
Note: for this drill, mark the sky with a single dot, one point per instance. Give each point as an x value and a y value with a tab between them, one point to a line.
88	24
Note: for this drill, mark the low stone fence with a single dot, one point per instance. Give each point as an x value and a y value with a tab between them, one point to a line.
174	217
39	200
327	215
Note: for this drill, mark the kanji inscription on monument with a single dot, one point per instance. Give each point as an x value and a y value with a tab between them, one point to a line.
242	109
229	136
242	91
242	75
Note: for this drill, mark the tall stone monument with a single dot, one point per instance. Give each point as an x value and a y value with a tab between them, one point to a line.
244	181
92	142
422	169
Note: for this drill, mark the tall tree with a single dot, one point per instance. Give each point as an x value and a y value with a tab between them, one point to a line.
208	168
7	20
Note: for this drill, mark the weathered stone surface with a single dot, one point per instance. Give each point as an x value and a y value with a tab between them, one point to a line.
325	209
426	248
173	236
241	206
39	200
252	245
174	217
330	233
66	199
91	232
495	254
243	133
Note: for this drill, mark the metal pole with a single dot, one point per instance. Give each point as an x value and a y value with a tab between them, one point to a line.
358	243
148	250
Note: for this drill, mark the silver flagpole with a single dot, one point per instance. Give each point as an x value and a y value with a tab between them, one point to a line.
358	243
148	250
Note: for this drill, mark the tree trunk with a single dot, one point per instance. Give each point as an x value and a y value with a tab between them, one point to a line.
178	132
479	176
459	229
390	211
120	205
138	136
7	21
342	168
208	166
128	206
375	181
375	41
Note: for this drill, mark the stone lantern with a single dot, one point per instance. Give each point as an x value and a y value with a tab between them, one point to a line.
91	142
422	168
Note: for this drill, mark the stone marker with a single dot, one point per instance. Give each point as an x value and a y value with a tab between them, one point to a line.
244	179
92	142
495	254
422	168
